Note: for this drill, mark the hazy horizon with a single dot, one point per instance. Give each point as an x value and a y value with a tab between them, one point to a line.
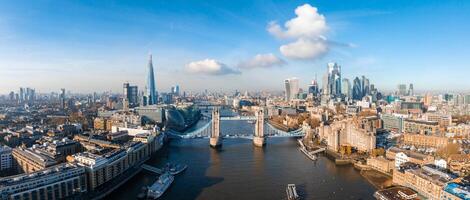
91	46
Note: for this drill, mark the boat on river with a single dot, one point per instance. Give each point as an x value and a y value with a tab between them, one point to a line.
157	189
292	192
305	151
175	169
308	154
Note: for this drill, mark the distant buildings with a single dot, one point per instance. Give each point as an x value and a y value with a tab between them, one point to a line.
313	88
346	88
334	79
291	88
411	90
151	95
357	92
130	95
401	90
62	98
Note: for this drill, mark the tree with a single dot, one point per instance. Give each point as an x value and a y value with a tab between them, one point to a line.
348	150
342	150
449	149
313	122
378	152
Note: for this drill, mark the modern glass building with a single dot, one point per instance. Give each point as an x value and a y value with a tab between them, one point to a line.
151	90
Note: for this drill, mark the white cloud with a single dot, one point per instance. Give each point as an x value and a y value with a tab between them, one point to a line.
305	48
307	30
262	61
210	67
308	23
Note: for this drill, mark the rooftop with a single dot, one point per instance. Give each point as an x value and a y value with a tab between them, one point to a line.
55	170
399	193
459	190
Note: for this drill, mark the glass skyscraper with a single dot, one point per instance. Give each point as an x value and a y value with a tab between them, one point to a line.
151	91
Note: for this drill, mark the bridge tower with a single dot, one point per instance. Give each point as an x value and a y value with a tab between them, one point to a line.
214	140
259	139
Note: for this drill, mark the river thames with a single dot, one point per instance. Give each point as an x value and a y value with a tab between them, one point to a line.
241	171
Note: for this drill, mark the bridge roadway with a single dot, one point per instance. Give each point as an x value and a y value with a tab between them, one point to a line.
204	132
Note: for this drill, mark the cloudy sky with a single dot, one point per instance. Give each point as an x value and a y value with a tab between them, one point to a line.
88	46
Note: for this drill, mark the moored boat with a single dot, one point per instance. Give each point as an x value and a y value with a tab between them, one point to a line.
160	186
175	169
292	192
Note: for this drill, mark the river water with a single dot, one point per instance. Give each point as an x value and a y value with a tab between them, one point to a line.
241	171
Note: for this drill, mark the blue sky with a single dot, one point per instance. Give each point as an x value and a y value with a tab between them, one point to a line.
92	45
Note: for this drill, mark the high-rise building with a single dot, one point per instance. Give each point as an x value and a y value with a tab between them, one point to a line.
151	90
365	86
22	95
62	98
357	92
130	93
177	90
287	90
313	88
292	88
346	87
325	85
402	89
334	79
410	90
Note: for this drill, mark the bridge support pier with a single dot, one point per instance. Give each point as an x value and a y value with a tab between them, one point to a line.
215	142
259	141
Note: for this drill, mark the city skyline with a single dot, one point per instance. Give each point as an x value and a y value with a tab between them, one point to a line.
207	46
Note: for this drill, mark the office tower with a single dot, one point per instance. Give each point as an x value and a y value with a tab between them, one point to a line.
402	89
410	90
467	99
357	92
176	90
292	88
11	96
287	90
313	87
29	95
365	86
62	98
325	85
130	94
334	79
346	87
95	96
22	95
151	90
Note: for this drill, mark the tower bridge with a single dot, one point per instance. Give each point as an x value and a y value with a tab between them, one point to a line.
212	131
